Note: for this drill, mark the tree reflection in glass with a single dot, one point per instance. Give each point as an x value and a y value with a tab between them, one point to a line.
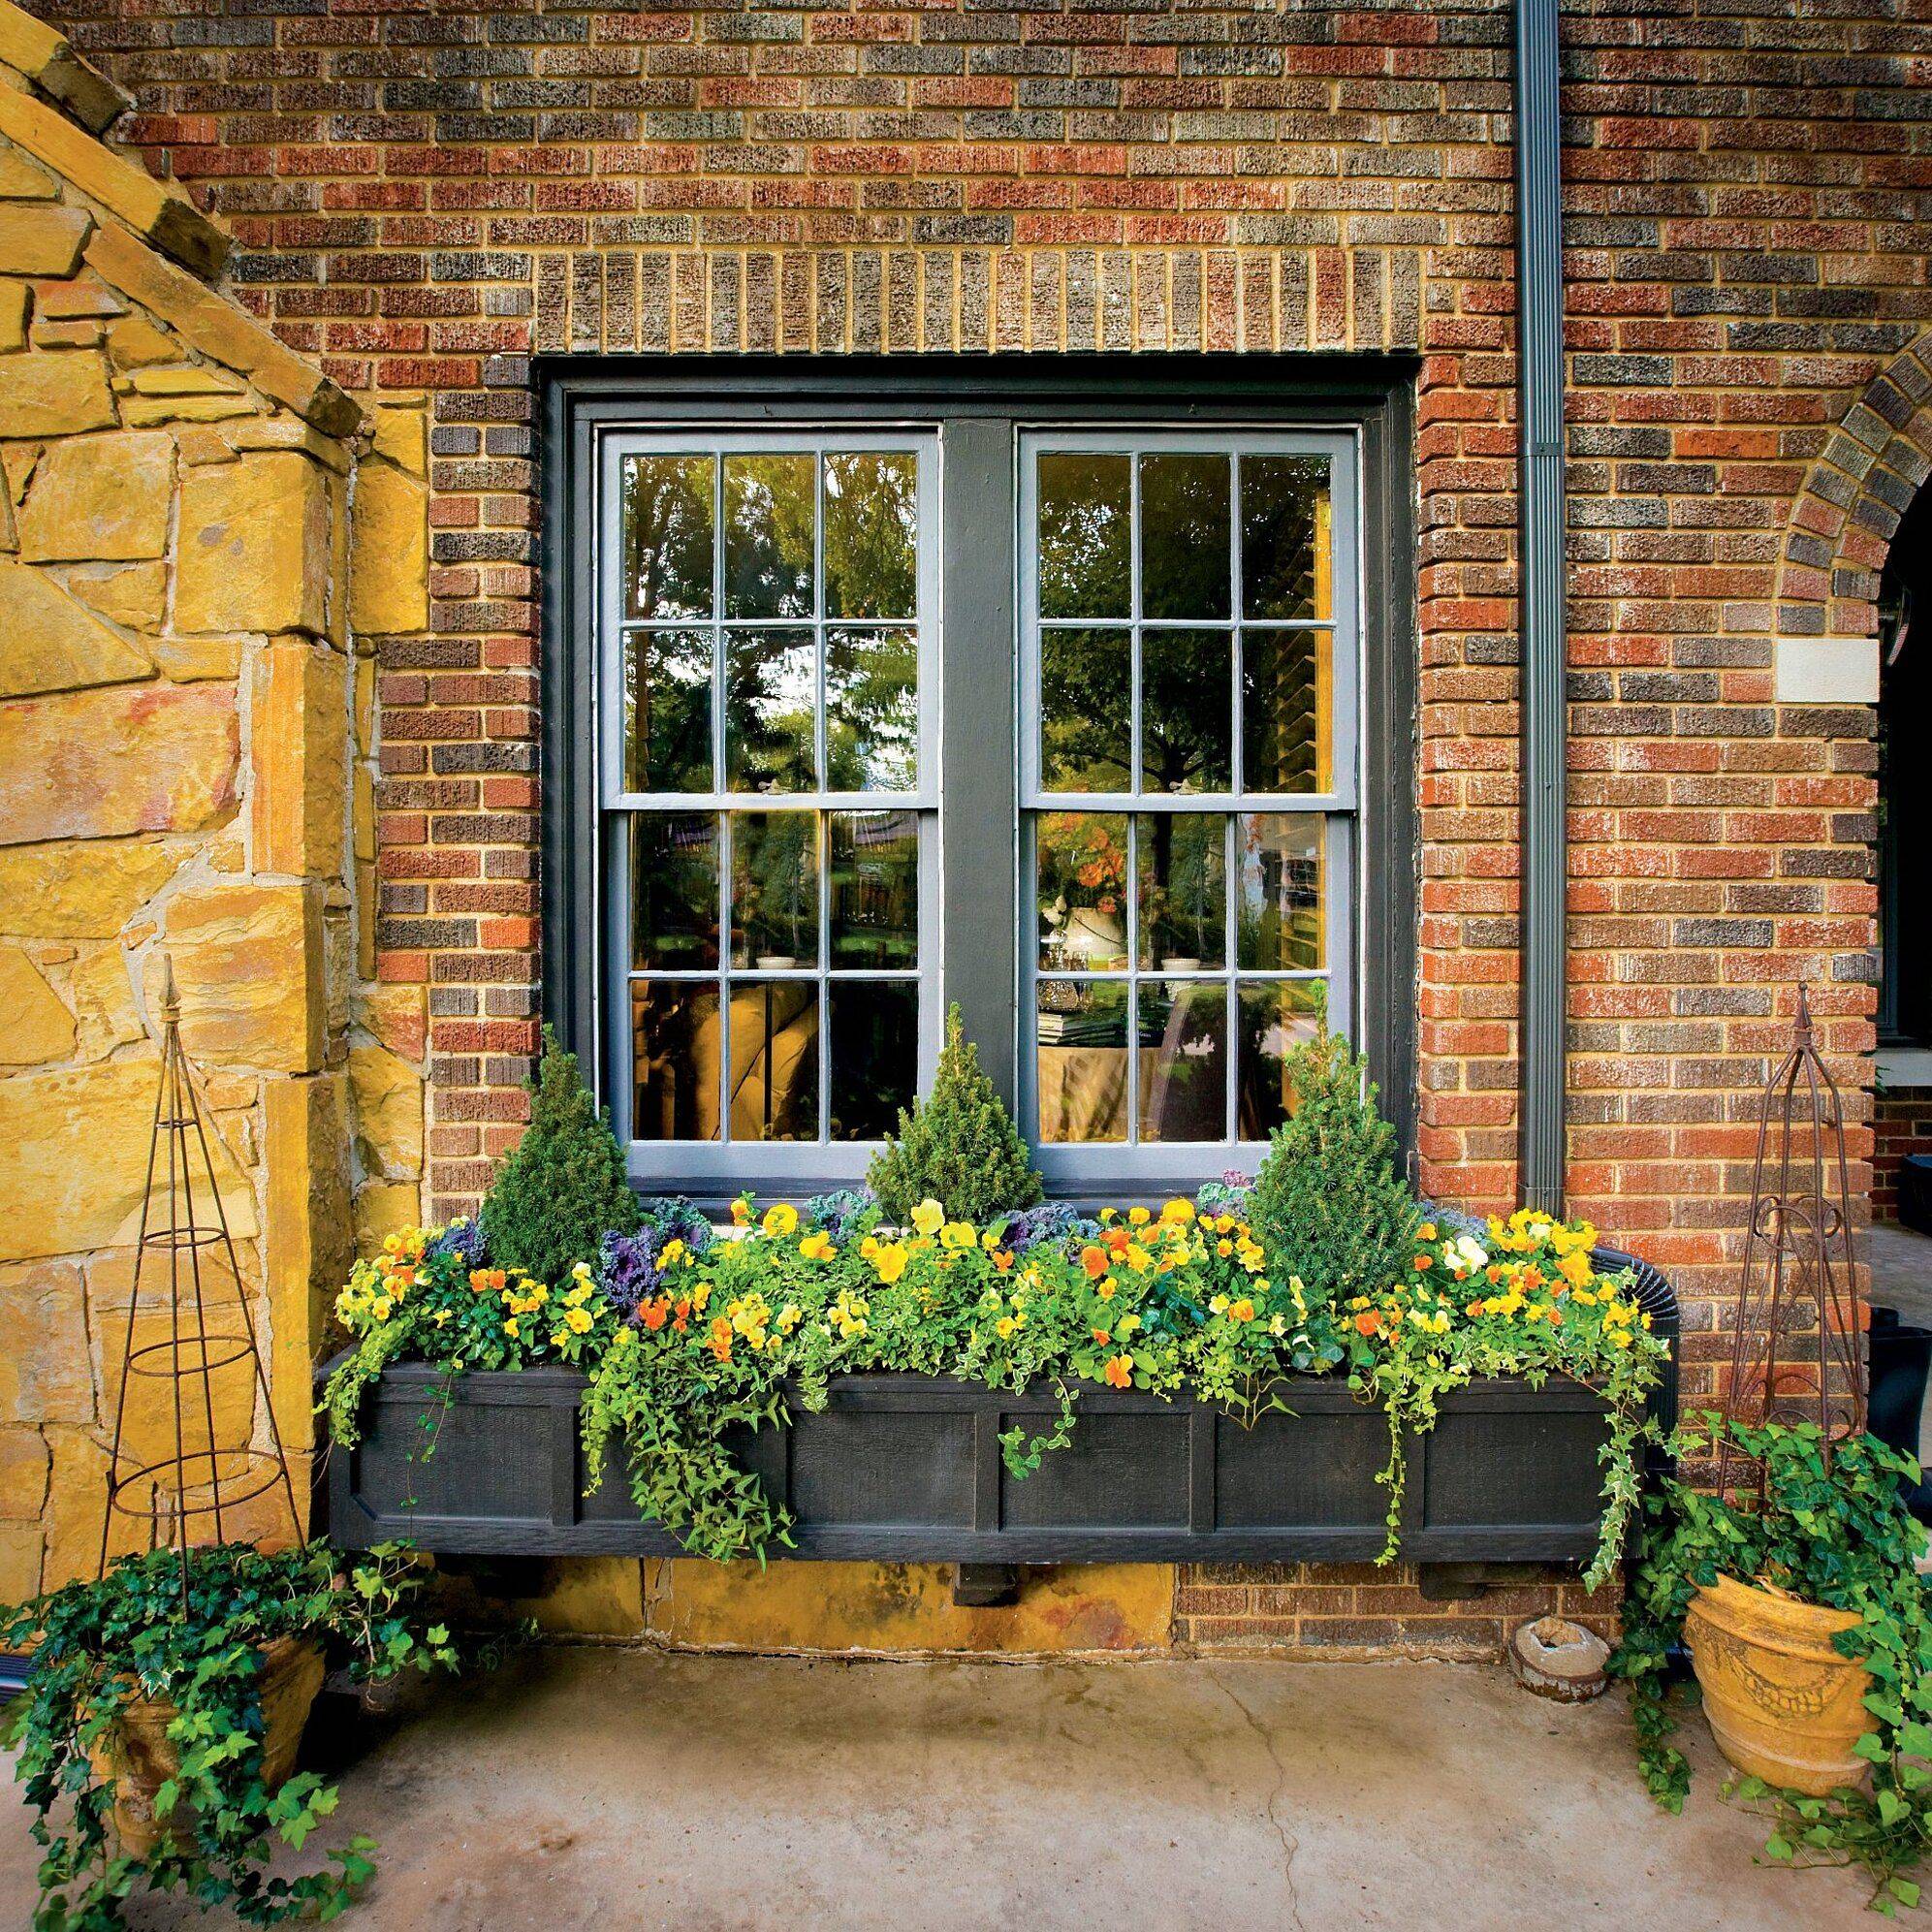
668	536
871	535
1187	686
1086	710
673	890
775	889
1186	536
872	709
1084	533
1284	537
771	694
668	710
1182	863
873	885
770	504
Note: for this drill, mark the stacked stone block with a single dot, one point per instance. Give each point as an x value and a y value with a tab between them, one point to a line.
181	701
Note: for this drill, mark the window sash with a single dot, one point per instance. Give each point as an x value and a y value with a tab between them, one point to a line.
728	1160
1113	1163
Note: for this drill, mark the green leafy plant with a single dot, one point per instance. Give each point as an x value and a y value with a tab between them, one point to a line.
565	1184
100	1646
690	1336
1520	1297
1839	1538
958	1146
1330	1202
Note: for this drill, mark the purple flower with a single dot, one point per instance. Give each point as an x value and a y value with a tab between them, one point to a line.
627	1269
465	1240
1053	1220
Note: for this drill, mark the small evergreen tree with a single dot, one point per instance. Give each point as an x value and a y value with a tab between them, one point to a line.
958	1146
1329	1203
563	1186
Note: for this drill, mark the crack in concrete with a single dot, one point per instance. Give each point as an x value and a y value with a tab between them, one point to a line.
1290	1843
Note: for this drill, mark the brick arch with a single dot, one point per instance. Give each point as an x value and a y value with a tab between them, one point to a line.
1858	488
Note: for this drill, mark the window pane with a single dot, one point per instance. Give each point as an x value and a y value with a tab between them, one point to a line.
775	1060
1182	862
872	711
668	710
771	694
674	1042
1082	1065
1082	865
1187	698
667	518
673	890
769	505
1281	914
1183	1059
874	888
1285	710
1274	1019
1285	569
1086	710
1085	514
874	1031
871	536
775	889
1185	536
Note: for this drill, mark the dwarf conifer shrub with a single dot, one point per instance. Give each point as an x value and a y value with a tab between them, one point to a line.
564	1187
1329	1203
958	1146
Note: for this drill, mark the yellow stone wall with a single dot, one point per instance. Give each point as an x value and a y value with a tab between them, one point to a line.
186	723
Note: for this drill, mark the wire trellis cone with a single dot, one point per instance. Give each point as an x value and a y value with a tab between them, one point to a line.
1798	1351
185	1465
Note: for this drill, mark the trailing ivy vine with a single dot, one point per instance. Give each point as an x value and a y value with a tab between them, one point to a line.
1839	1538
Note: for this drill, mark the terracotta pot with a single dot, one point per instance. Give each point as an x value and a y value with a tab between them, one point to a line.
138	1759
1783	1703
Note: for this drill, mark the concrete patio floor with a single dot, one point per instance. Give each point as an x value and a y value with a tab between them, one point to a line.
630	1788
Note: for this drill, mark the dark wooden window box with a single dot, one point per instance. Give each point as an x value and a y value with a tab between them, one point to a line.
907	1467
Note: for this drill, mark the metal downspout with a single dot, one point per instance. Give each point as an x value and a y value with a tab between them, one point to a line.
1544	584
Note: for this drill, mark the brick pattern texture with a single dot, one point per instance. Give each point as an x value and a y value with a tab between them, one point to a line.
427	195
1902	1124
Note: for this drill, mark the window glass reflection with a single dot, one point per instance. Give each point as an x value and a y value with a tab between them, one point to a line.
769	533
667	509
871	535
1081	878
1080	1064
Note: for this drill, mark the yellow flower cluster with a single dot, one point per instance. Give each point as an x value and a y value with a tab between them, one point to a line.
577	1317
846	1316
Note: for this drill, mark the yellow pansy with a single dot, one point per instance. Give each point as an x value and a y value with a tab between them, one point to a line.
928	1217
818	1246
889	1262
780	1219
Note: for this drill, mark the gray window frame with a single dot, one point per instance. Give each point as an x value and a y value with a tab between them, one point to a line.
979	407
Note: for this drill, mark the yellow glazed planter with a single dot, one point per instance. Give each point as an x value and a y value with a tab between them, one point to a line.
1784	1704
140	1758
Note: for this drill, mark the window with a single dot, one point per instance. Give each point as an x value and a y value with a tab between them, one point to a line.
767	764
1187	785
1026	686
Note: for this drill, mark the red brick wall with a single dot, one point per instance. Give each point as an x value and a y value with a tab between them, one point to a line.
1902	1124
425	195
